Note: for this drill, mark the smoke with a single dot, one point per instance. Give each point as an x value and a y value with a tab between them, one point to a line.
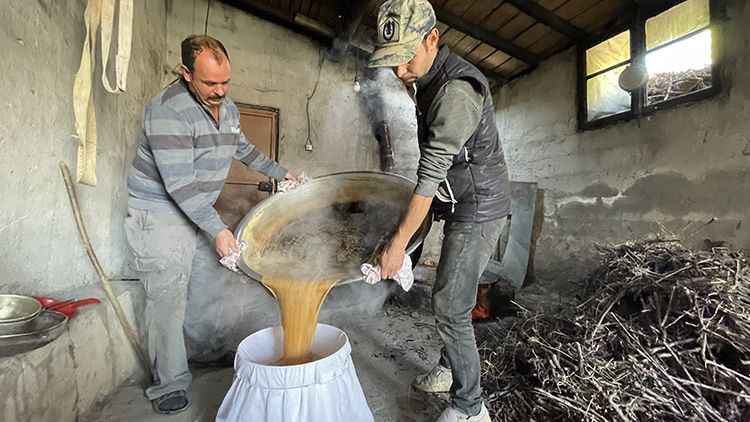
386	100
330	242
333	241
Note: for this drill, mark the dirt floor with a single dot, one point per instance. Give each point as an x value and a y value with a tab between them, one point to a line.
388	350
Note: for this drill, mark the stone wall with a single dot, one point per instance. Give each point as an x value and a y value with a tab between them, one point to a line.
41	253
42	42
69	377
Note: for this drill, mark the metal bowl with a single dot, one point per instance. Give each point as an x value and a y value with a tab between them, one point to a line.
41	330
320	222
16	308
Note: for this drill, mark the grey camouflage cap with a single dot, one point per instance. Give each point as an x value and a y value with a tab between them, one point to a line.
402	25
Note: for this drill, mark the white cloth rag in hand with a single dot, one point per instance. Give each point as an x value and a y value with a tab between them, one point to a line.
230	261
287	185
404	277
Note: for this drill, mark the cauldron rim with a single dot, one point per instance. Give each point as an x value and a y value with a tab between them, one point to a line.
414	243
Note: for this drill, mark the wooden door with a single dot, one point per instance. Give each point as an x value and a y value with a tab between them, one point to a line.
240	194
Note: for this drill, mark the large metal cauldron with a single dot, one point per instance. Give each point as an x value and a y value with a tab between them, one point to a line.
327	227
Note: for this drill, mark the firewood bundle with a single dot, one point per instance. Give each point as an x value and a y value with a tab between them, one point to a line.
661	333
665	86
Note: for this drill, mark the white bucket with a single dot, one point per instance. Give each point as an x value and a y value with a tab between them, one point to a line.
326	390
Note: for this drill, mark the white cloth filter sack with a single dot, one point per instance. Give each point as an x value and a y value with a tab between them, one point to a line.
326	390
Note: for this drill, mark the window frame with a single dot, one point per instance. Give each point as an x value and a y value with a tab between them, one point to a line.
638	51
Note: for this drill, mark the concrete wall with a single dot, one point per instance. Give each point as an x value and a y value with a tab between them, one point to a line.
67	378
42	42
668	173
41	252
276	67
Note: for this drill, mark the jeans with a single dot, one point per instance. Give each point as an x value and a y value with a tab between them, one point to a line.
466	249
184	284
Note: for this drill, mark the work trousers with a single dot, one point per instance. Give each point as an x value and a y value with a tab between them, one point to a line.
466	250
184	283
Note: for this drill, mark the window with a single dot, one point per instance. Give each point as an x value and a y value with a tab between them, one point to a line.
674	46
604	64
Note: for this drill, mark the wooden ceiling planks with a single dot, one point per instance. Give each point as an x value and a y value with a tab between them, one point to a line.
496	16
511	68
552	5
314	11
600	15
500	17
475	14
532	35
480	53
554	41
329	15
539	30
457	7
294	7
548	43
480	10
574	8
494	60
516	26
466	45
495	19
284	5
303	6
451	37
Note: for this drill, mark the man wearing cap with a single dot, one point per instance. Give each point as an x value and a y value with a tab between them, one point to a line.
462	178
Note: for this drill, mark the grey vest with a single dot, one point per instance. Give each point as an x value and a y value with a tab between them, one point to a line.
476	188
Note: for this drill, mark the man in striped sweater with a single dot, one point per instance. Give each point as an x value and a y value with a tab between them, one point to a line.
191	132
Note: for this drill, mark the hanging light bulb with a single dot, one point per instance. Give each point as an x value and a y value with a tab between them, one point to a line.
356	85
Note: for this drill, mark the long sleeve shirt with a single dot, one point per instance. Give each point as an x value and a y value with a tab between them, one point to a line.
183	157
451	120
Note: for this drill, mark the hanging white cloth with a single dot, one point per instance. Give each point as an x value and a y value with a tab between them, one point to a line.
98	13
124	42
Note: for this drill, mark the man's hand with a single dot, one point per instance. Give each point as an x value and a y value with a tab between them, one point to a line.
225	243
392	258
292	176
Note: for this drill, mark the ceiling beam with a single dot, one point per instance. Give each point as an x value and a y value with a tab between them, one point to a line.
488	37
549	18
279	17
656	6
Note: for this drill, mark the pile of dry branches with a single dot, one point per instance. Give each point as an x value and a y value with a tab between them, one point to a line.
661	334
665	86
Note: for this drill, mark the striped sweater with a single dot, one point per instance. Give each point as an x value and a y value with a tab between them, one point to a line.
183	157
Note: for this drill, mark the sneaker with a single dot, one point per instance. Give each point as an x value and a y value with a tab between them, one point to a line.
454	415
171	403
438	380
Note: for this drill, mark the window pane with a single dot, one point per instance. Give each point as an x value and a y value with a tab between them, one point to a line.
680	68
604	95
608	53
676	22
